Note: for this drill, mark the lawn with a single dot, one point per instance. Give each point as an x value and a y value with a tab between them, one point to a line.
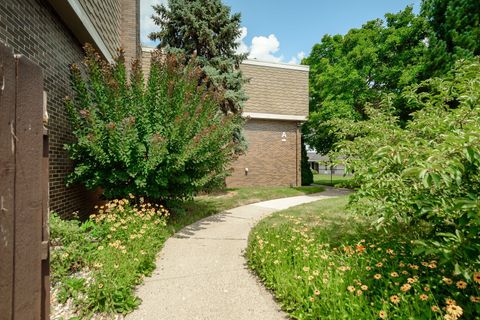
207	205
322	263
327	180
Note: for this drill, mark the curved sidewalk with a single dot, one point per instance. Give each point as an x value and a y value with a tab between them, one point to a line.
202	274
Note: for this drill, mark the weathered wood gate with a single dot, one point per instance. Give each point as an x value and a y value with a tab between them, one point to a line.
24	265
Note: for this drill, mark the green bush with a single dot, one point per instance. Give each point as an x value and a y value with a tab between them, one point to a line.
97	263
163	138
426	175
307	174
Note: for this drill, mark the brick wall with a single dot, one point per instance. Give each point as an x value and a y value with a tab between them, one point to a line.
276	90
34	29
270	161
106	16
130	28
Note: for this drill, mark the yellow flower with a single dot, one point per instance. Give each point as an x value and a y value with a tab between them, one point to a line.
395	299
394	275
450	301
382	314
100	285
351	288
100	248
461	284
435	309
475	299
426	288
411	280
359	292
306	269
447	280
316	292
454	310
377	276
405	287
423	297
364	288
368	268
476	277
312	299
379	265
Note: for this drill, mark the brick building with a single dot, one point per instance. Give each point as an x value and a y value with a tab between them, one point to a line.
51	33
277	106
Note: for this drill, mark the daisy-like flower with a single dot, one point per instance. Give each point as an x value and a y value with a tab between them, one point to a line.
411	280
364	288
449	301
306	269
316	292
476	277
423	297
447	280
311	299
405	287
435	309
351	288
382	314
368	268
379	265
359	292
395	299
475	299
377	276
454	310
394	275
461	284
426	289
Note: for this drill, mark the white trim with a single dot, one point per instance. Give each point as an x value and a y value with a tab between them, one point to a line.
273	116
87	23
148	49
276	65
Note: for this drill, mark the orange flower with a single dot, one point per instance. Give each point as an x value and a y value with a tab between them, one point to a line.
405	287
423	297
435	309
450	301
395	299
461	284
476	277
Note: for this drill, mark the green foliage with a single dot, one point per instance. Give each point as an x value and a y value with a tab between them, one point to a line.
163	139
455	32
98	262
428	173
205	29
346	72
322	263
307	175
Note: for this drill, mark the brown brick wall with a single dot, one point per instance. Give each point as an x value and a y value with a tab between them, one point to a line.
34	29
130	28
276	90
270	161
105	16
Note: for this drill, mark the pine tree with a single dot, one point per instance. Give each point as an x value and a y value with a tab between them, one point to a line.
205	29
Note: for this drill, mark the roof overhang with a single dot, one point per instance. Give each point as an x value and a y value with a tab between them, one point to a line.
74	16
273	116
278	65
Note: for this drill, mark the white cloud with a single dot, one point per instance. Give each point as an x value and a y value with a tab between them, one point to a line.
298	58
264	48
146	23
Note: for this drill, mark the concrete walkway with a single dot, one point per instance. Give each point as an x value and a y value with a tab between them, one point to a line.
202	274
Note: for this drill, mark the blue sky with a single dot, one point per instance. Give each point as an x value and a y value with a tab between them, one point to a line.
285	31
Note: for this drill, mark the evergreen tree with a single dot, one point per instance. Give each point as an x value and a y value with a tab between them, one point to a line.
205	29
307	175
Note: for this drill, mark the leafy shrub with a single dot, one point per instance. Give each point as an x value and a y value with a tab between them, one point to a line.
163	139
324	264
307	174
426	175
97	263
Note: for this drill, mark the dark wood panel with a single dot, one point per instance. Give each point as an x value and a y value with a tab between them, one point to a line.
7	176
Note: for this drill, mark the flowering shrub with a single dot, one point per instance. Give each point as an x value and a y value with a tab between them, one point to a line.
323	264
426	175
97	263
164	138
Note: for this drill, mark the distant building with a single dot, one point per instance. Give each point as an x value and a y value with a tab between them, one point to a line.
320	164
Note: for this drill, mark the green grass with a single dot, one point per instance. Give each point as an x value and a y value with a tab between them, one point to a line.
207	205
322	263
327	180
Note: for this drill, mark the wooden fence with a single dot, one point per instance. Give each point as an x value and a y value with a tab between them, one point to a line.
24	250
